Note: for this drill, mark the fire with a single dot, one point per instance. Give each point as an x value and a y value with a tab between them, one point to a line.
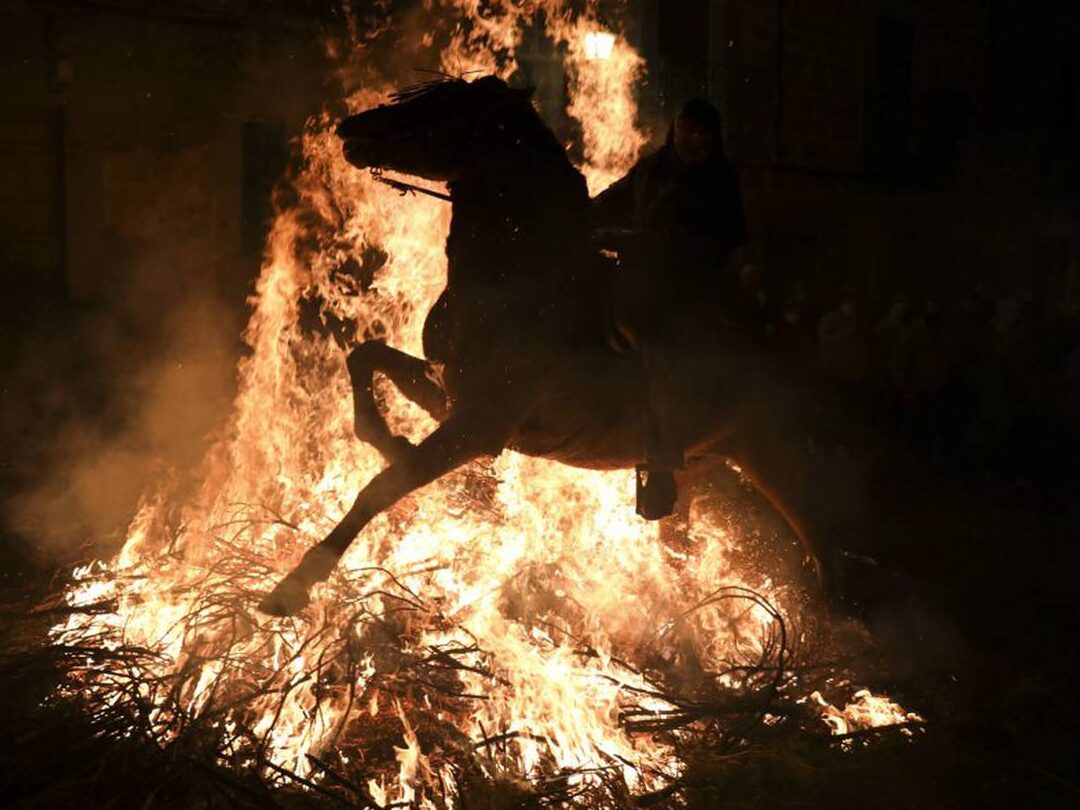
863	712
517	612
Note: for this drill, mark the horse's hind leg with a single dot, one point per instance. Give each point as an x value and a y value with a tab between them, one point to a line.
413	378
775	474
455	442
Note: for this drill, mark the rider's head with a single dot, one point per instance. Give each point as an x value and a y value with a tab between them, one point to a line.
697	133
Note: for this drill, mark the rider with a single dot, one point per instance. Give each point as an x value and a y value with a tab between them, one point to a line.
673	219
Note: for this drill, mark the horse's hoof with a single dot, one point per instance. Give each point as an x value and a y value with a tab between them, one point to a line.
291	594
287	599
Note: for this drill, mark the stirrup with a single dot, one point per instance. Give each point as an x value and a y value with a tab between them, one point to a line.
656	492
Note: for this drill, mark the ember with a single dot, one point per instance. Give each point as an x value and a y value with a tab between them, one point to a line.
514	622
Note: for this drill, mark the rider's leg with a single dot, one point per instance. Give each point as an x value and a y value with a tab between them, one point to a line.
458	440
413	378
663	442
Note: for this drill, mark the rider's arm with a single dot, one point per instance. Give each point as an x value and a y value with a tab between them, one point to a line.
733	223
709	219
614	207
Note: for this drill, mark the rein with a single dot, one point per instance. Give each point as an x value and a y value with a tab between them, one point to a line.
407	188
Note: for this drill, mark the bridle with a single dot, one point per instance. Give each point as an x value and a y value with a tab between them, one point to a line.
410	188
407	188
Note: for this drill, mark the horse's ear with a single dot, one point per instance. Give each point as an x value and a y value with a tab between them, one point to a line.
489	83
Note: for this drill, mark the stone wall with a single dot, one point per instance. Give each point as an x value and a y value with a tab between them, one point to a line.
853	173
123	141
868	157
30	160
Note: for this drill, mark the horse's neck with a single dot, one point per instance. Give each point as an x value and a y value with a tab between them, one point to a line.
512	217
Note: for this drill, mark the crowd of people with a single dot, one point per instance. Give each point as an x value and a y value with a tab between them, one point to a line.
990	380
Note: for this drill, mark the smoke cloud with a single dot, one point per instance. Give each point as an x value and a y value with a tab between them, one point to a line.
102	402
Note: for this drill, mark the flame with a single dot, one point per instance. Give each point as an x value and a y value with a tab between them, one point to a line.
602	101
865	711
519	591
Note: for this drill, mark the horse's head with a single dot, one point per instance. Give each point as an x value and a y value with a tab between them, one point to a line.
434	130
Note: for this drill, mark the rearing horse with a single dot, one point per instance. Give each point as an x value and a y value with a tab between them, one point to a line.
520	329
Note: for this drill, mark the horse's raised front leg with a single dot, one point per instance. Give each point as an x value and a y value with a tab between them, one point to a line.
412	376
457	441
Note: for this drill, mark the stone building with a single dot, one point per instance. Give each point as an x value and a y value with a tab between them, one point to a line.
890	146
140	141
883	145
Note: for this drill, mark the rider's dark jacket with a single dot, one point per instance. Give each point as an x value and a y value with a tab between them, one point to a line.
683	220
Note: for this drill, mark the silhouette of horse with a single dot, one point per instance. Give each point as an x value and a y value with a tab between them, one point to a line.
519	333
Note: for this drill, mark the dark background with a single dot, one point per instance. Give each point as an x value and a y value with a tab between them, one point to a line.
916	160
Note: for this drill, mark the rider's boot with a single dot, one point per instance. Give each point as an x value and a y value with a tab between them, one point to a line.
656	488
657	492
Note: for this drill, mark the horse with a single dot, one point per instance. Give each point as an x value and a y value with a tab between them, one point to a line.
518	354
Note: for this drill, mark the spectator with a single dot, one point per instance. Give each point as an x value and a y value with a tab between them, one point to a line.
842	349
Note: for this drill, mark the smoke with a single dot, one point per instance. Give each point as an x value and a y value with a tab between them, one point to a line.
106	400
129	380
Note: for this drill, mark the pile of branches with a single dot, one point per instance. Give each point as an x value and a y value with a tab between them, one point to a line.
95	714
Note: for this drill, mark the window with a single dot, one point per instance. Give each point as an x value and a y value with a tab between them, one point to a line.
888	106
265	159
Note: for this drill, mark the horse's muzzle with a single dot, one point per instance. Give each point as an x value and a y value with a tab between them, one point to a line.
359	152
364	135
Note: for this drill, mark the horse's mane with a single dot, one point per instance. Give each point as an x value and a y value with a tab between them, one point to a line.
524	115
424	88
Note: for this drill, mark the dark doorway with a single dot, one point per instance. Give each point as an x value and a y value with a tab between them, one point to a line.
33	222
265	159
889	104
